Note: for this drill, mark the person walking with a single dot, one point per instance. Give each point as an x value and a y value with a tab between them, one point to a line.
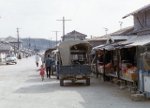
48	65
42	72
42	59
37	58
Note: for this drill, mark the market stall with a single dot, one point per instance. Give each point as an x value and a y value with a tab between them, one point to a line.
128	64
107	61
139	69
126	61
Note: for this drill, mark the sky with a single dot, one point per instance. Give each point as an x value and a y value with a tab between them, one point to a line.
38	18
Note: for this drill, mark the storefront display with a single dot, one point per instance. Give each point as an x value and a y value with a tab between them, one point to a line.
128	64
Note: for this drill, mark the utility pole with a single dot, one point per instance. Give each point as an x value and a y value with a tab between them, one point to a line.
63	21
120	23
29	43
56	32
50	42
106	30
18	37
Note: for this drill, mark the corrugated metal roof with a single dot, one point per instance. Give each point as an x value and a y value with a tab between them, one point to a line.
123	37
99	46
123	31
114	37
130	39
147	7
106	47
140	41
133	41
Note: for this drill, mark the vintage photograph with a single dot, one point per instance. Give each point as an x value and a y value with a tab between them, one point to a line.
74	54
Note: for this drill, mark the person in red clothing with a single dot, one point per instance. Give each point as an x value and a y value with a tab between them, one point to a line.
42	72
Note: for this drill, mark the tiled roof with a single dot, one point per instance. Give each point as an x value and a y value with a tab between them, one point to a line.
75	33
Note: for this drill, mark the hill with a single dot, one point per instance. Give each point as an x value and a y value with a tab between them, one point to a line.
37	43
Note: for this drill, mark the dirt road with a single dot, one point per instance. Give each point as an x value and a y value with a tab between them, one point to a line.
21	87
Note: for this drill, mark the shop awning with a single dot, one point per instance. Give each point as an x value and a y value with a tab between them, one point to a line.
99	47
140	41
105	46
112	46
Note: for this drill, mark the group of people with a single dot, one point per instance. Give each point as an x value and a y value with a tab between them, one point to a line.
46	65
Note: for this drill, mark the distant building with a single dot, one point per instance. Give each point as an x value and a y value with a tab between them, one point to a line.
5	48
117	36
14	41
17	45
74	35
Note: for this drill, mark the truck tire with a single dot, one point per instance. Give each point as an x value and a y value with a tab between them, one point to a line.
61	82
88	81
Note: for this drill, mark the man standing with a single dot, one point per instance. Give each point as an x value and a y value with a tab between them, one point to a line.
48	65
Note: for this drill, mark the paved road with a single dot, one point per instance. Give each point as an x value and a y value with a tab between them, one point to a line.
21	87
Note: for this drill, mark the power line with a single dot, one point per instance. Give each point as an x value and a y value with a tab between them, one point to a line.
29	43
63	21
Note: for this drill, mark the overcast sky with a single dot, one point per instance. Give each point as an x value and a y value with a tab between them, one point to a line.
37	18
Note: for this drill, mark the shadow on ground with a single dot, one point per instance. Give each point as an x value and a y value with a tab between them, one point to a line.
36	85
98	94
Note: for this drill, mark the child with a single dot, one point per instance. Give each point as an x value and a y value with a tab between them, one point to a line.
42	72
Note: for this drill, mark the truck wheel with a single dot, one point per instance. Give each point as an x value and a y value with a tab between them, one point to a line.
61	82
88	81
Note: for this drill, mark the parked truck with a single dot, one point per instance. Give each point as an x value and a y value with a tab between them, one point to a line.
74	61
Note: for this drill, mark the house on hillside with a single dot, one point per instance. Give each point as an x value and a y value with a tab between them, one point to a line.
74	35
16	44
14	41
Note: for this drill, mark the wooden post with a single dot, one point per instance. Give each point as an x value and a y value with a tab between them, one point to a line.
96	65
104	76
118	62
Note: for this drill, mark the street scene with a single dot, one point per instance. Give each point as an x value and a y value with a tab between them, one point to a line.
74	54
21	87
